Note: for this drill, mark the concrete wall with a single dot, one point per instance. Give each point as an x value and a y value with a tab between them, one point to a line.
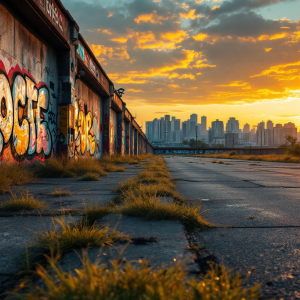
54	95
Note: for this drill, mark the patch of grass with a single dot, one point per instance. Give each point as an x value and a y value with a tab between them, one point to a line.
62	167
96	282
122	159
110	167
251	217
94	213
23	202
77	236
218	162
13	174
90	177
285	158
152	208
61	193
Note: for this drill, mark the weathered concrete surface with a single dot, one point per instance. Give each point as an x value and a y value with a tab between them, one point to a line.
18	229
17	234
169	246
229	195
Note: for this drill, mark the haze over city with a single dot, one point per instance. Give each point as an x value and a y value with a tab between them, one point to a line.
211	57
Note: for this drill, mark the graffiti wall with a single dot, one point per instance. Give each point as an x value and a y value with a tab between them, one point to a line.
87	123
113	131
28	94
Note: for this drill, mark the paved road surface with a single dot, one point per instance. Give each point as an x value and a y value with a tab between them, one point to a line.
269	244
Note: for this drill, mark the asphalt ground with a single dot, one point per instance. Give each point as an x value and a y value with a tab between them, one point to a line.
256	206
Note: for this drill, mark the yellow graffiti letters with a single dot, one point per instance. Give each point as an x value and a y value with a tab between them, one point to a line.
21	126
91	139
32	95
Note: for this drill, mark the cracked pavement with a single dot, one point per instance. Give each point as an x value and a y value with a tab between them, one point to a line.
268	244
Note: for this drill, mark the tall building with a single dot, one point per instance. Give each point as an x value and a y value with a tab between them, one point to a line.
155	130
168	128
270	125
246	128
217	129
203	127
231	139
162	135
232	125
149	130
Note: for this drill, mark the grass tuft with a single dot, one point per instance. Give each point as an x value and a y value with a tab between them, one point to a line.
120	281
153	208
62	167
23	202
13	174
94	213
110	167
90	177
76	237
61	193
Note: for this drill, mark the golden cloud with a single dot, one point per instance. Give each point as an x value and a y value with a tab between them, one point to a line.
190	15
282	72
152	18
102	52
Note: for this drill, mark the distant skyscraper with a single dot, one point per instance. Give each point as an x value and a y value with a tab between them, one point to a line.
194	118
203	126
232	126
149	130
155	129
246	128
270	125
217	129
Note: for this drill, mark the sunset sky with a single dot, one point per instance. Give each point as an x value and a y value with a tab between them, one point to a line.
238	58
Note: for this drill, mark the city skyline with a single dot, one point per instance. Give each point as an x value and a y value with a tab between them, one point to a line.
167	130
210	57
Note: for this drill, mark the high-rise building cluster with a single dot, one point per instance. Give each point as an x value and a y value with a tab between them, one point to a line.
169	130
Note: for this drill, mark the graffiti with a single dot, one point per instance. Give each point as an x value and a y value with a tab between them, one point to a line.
81	51
24	115
53	12
87	131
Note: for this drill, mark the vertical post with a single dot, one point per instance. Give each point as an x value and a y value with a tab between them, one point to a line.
135	141
106	124
120	130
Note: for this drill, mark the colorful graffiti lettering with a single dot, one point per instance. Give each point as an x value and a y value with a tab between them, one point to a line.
87	132
24	115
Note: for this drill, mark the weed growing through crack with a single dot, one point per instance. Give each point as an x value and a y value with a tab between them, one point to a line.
61	193
121	281
141	197
90	177
23	202
251	217
77	236
195	248
94	213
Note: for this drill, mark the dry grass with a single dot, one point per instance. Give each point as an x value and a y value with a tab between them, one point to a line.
110	167
153	208
141	197
95	282
123	159
90	177
61	193
94	213
62	167
23	202
13	174
271	157
77	236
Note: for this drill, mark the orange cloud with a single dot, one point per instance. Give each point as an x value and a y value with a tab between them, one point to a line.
166	41
121	40
200	37
174	86
276	36
102	52
152	18
215	7
135	91
268	49
190	15
282	72
236	84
